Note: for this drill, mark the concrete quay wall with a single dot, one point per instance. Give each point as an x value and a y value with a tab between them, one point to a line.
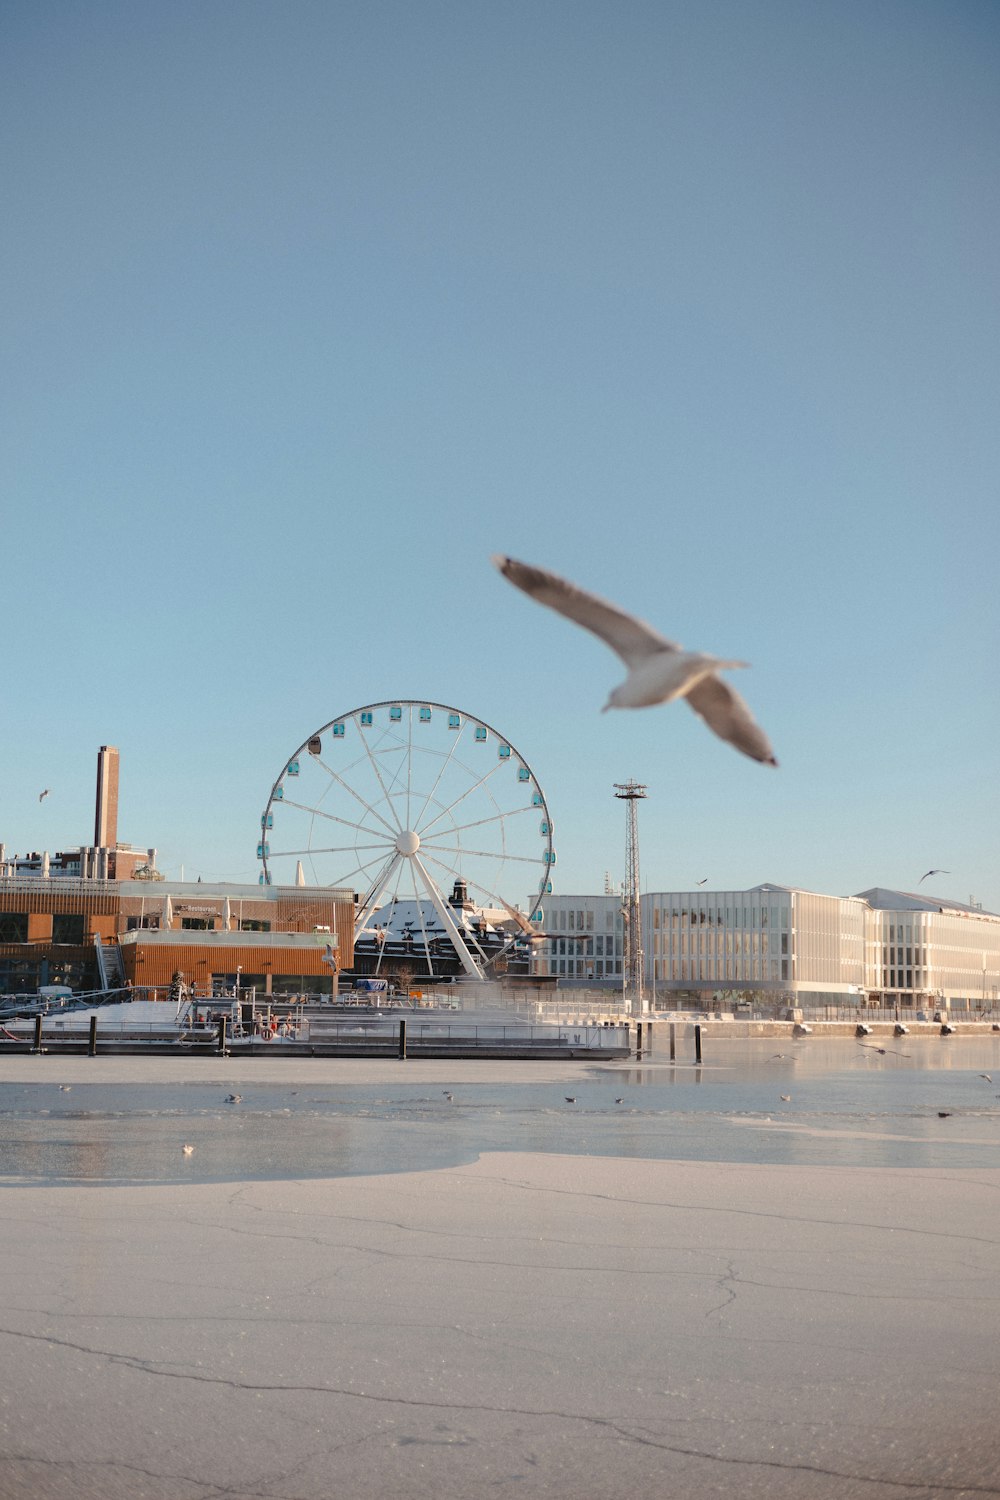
658	1028
841	1028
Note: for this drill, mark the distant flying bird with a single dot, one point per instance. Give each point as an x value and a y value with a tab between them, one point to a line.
932	872
233	1098
570	1098
701	882
42	795
658	670
619	1101
187	1150
987	1077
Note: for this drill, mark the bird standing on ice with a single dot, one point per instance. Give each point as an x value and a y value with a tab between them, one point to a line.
658	670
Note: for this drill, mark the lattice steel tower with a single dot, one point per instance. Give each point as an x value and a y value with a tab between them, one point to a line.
630	792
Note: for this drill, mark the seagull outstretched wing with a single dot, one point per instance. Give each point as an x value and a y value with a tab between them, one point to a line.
629	638
725	712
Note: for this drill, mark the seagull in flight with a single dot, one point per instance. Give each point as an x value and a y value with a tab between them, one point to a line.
658	670
702	882
42	795
932	872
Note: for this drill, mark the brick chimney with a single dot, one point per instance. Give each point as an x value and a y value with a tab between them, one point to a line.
106	821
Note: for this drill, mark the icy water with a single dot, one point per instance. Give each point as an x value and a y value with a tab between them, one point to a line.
922	1103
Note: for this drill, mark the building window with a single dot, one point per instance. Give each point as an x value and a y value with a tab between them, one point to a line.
132	924
251	924
197	924
67	927
13	927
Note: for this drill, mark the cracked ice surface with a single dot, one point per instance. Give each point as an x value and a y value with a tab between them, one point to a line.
530	1325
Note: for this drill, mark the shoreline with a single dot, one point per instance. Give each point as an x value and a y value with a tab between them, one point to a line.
721	1048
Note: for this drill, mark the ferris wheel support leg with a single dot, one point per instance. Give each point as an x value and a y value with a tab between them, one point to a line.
468	962
376	893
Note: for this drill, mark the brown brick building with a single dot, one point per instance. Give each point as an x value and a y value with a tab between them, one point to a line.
88	933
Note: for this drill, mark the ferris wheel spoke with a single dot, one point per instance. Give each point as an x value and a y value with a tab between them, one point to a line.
444	811
461	849
319	812
378	886
444	767
378	772
357	797
484	890
361	868
497	817
333	849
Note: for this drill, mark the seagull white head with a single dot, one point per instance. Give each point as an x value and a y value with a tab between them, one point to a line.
658	670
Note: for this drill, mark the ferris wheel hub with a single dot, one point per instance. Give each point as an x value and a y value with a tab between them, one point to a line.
408	842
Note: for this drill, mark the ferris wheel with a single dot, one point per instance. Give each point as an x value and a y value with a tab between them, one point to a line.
413	801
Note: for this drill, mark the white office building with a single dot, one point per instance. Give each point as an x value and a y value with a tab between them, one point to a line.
780	943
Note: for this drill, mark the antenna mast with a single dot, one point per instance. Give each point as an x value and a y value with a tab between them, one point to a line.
630	792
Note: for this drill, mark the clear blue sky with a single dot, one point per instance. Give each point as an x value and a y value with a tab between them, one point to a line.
311	307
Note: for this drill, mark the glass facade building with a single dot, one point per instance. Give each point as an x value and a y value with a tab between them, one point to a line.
781	943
